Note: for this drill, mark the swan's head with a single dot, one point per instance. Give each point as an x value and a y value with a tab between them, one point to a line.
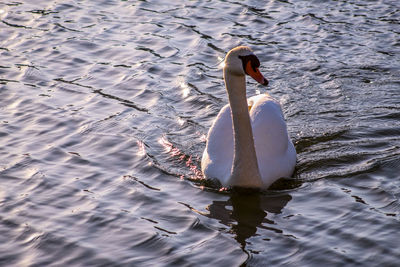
241	61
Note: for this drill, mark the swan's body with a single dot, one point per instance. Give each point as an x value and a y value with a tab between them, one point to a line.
248	149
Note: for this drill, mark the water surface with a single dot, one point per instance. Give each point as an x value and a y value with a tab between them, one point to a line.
104	110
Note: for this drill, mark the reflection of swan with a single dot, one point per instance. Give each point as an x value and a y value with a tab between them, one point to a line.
233	156
247	213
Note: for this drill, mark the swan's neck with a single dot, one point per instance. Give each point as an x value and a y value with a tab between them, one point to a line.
245	168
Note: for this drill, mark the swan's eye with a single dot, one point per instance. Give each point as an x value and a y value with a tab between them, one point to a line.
255	63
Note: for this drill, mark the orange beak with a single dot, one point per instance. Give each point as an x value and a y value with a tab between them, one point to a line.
255	74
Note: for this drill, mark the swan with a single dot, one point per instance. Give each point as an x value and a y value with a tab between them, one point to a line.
248	144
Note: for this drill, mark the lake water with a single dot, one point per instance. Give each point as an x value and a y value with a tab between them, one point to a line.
104	110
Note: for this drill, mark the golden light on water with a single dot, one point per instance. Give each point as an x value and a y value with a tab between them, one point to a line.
182	157
222	62
142	150
185	89
180	121
203	138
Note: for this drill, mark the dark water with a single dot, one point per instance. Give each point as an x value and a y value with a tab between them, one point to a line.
104	108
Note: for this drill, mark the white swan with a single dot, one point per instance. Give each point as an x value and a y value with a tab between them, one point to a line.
257	150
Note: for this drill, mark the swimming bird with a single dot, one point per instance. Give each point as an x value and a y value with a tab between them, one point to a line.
248	144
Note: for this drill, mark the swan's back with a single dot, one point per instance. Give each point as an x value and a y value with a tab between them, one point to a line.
276	155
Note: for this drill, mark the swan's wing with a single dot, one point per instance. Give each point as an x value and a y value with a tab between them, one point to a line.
276	155
218	155
268	124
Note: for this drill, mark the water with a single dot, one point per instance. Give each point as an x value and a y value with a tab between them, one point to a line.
104	109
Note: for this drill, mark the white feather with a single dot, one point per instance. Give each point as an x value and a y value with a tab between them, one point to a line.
276	155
